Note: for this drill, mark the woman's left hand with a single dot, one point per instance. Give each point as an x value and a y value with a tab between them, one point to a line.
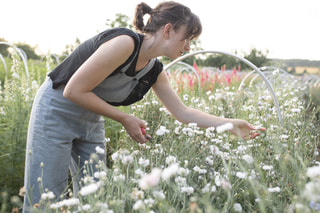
245	130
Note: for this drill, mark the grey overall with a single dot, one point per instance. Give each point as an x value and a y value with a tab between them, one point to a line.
59	128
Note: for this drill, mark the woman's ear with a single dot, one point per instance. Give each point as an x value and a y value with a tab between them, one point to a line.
166	30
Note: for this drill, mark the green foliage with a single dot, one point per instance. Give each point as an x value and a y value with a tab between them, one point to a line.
70	47
257	57
4	48
120	20
30	51
16	97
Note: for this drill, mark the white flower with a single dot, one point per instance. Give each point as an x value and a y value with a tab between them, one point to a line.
217	180
162	131
284	137
120	177
187	189
210	132
138	205
181	181
49	195
237	207
224	127
68	202
214	150
99	150
139	172
209	161
296	110
100	174
248	159
85	207
267	167
183	172
149	202
187	131
127	159
144	162
206	188
213	188
185	97
275	189
241	175
158	195
170	160
115	156
170	171
91	188
151	179
199	170
313	172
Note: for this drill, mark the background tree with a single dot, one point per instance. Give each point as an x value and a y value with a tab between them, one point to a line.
70	47
30	51
257	57
4	48
121	20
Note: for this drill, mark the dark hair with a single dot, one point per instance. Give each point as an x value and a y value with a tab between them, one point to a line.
167	12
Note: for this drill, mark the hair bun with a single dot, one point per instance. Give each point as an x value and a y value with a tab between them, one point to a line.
141	10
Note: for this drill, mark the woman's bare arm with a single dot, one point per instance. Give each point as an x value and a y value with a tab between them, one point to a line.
100	65
184	114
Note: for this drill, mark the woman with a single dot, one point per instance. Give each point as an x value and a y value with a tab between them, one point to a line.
116	67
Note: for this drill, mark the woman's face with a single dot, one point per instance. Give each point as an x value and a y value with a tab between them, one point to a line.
177	43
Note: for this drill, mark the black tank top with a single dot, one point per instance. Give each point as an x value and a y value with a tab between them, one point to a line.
63	72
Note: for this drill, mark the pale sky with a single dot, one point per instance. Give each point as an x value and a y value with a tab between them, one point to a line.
287	28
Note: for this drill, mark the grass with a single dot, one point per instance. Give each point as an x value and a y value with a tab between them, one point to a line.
185	168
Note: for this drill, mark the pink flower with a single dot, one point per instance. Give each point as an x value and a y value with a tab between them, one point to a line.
151	179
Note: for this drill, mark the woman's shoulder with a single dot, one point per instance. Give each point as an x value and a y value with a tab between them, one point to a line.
115	32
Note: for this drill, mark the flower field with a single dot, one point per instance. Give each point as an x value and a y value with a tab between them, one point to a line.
185	168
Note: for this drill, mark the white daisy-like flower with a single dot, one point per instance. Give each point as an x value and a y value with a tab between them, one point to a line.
138	205
237	207
170	171
89	189
248	159
275	189
48	195
187	131
100	174
267	167
144	162
162	130
313	172
187	189
99	150
170	160
210	132
158	195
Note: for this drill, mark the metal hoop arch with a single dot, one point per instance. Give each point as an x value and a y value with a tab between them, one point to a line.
241	59
194	71
4	64
22	55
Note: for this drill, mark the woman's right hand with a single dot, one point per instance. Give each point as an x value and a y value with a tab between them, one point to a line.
133	127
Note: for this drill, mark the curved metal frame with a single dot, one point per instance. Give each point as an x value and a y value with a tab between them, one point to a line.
264	69
241	59
4	64
195	72
22	55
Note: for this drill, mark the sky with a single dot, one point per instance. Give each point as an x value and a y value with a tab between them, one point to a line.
287	29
